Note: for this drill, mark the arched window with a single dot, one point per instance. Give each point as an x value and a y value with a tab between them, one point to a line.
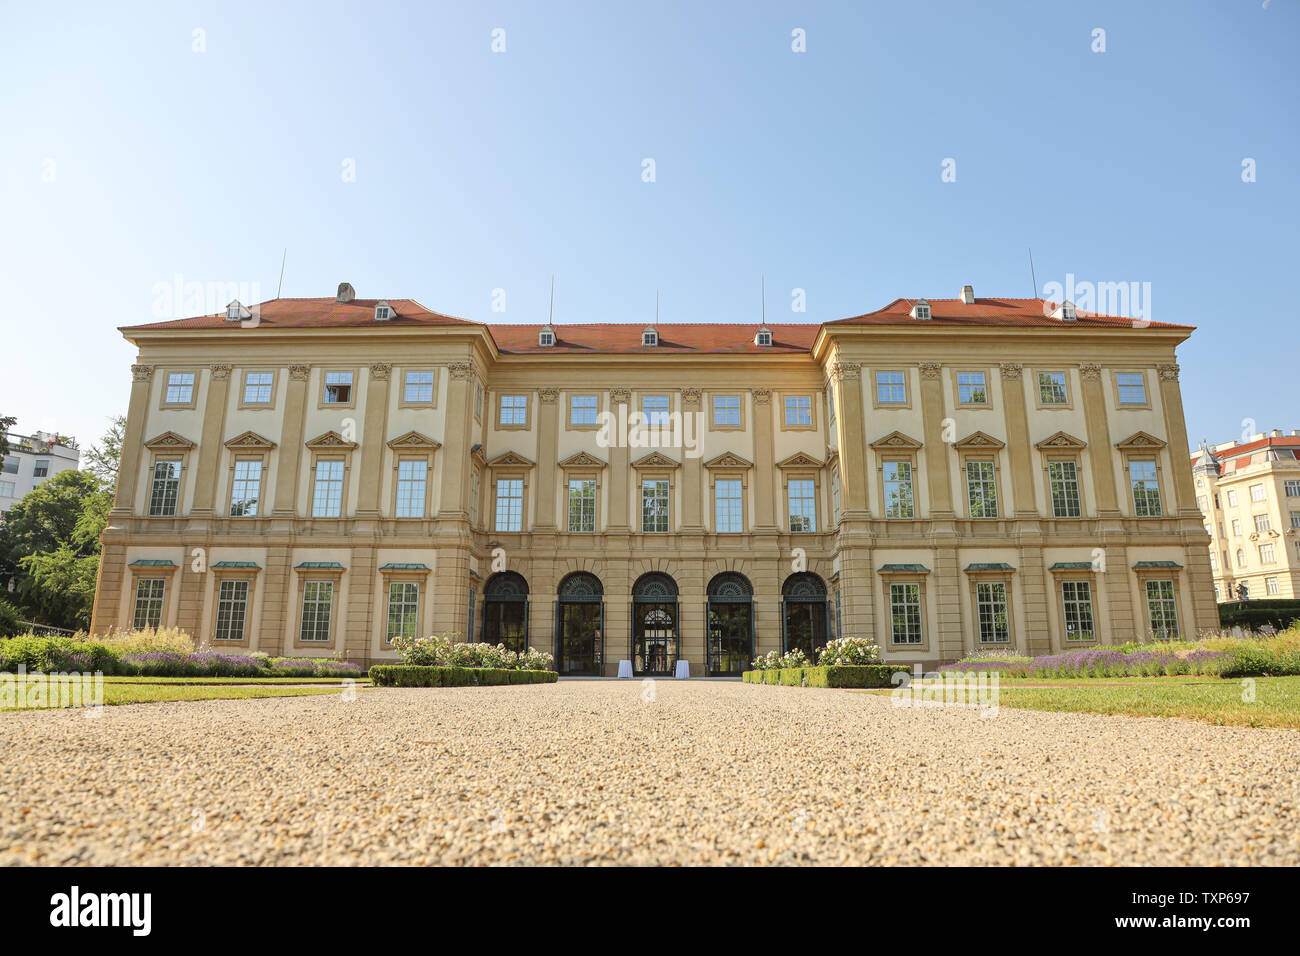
505	611
580	624
730	616
655	643
804	618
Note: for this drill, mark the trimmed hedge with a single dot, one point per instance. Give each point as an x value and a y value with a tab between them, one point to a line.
412	675
1255	613
836	675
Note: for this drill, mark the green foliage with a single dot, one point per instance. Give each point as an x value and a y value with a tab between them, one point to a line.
103	458
408	675
6	422
837	675
51	654
1278	613
10	624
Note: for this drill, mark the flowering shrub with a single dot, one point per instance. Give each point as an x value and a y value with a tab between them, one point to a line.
205	664
854	651
149	639
772	660
1102	662
438	650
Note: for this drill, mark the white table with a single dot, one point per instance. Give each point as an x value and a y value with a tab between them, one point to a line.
625	669
683	670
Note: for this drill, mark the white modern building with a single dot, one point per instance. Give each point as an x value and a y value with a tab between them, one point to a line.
32	459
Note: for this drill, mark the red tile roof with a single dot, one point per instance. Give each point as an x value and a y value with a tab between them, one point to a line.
683	338
1225	455
318	314
1020	313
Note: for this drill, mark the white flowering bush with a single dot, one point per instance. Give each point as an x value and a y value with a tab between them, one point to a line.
849	650
440	650
772	660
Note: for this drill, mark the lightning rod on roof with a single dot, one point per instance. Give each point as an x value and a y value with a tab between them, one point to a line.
551	313
1032	278
763	286
656	306
281	283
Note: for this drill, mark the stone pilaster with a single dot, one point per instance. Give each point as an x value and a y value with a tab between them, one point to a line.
938	481
1019	447
373	440
548	449
765	509
289	463
210	443
692	466
1100	450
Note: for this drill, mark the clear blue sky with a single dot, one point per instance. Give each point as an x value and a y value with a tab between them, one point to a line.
478	170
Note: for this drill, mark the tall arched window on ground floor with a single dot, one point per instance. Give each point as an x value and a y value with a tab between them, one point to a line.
804	614
505	611
655	643
730	617
579	624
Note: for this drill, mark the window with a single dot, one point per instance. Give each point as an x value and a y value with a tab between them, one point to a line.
1218	592
1236	527
245	487
1202	503
582	505
11	465
383	313
180	388
905	613
991	612
1293	489
327	497
418	388
546	338
1131	387
1295	519
898	489
148	603
1076	604
1270	586
655	409
649	338
1162	610
1262	523
1063	477
835	496
317	608
166	487
475	481
1051	389
582	410
981	489
798	410
972	389
514	410
803	505
654	505
764	337
726	411
830	407
1232	497
1146	488
1267	554
1241	557
7	489
42	468
890	388
728	504
478	401
232	610
403	609
1214	562
411	476
510	504
257	388
921	310
1256	492
338	388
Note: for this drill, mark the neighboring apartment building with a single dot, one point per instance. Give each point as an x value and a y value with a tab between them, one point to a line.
937	475
1249	495
32	459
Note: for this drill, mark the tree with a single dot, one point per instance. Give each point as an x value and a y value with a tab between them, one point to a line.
6	422
104	457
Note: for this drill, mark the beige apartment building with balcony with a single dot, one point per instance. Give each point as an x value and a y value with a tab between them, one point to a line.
1248	493
316	476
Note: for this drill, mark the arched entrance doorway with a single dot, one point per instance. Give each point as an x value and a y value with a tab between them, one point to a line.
579	624
654	625
804	610
730	616
505	611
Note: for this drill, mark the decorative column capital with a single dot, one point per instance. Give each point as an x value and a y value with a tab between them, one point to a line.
1090	372
381	370
930	369
1011	369
691	396
299	372
141	373
761	395
846	371
619	396
220	372
548	394
460	369
1168	373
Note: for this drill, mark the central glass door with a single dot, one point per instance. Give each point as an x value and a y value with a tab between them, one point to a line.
579	635
655	640
506	622
731	638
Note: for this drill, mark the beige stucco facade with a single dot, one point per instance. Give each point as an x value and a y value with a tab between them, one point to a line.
459	441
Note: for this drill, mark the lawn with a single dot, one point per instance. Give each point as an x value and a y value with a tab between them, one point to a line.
152	690
1214	700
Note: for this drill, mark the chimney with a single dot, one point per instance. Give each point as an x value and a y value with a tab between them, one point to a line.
346	292
967	295
1276	433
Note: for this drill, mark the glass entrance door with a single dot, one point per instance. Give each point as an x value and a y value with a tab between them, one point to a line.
805	627
730	637
506	622
579	638
655	639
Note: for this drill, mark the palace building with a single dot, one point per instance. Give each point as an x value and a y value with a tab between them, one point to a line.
316	476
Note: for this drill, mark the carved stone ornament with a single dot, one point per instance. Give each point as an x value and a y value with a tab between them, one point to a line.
691	396
220	372
141	373
1090	373
380	371
299	373
1168	373
930	369
619	396
460	369
762	395
548	395
846	371
1011	370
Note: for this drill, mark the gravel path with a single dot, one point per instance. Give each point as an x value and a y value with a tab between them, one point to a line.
590	772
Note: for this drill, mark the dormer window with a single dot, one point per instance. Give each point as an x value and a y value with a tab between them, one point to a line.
763	337
235	312
921	310
384	312
546	337
1066	312
650	337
